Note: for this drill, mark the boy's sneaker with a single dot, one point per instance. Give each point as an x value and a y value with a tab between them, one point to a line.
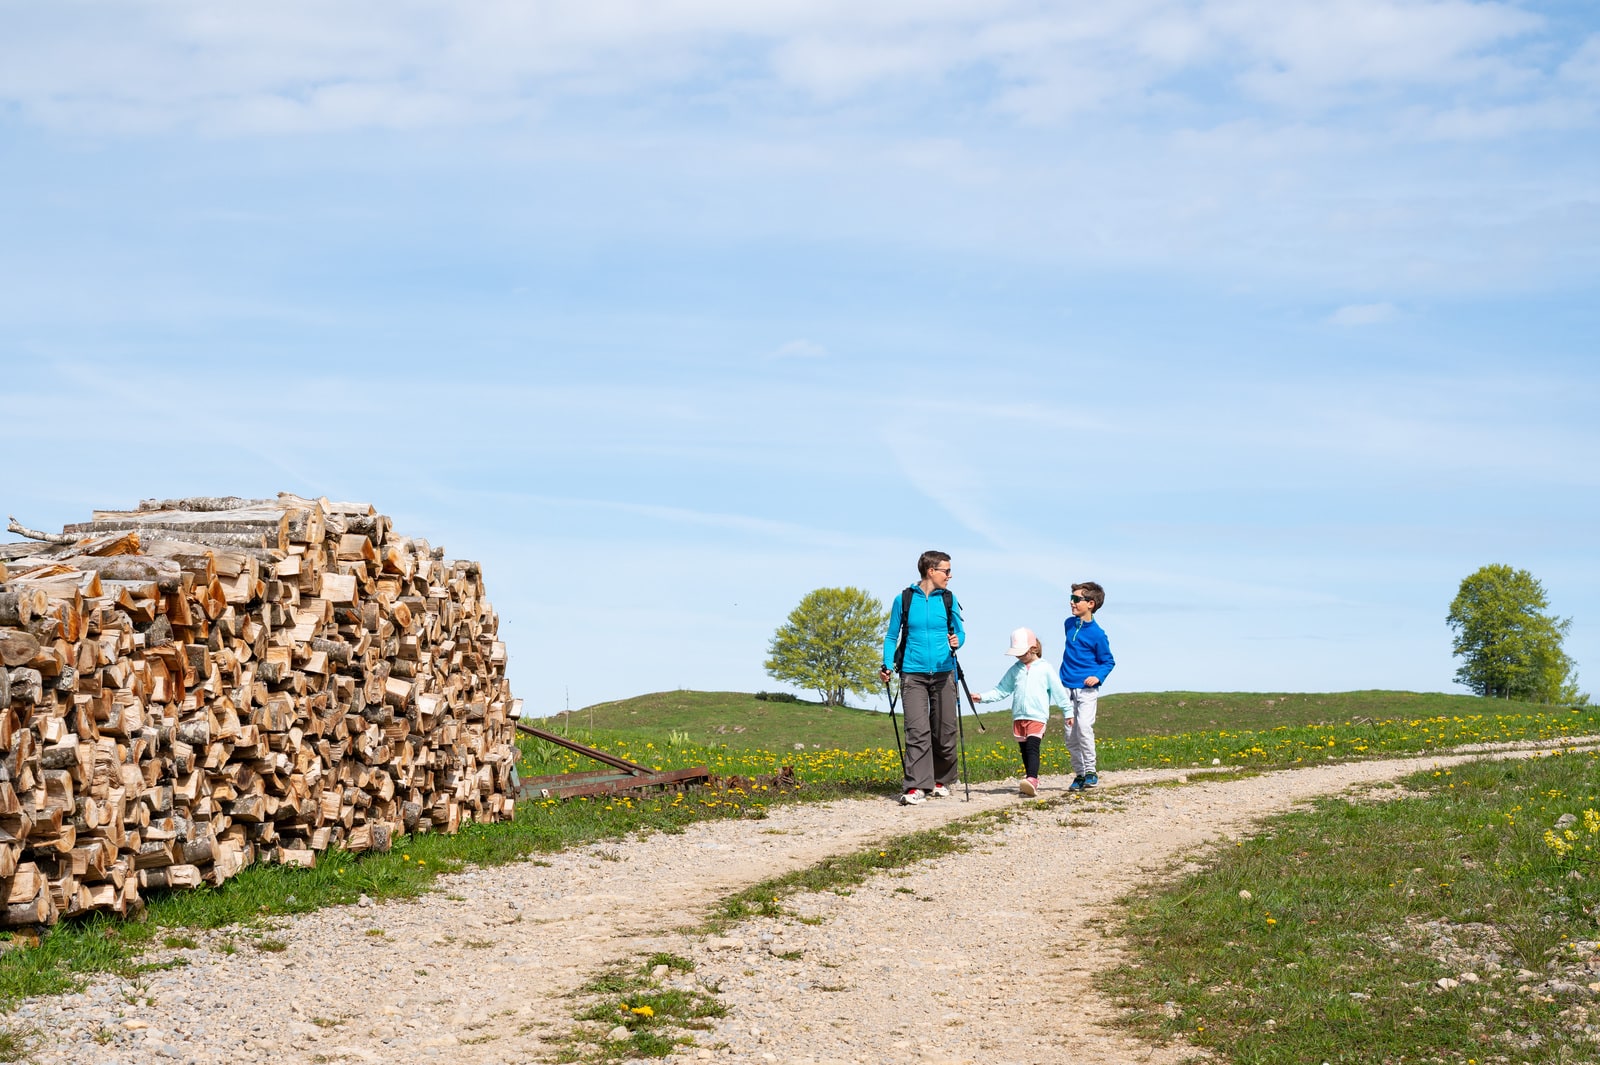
912	797
1091	780
1078	783
939	792
1029	787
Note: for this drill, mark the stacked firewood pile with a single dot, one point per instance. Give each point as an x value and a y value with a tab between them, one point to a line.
204	683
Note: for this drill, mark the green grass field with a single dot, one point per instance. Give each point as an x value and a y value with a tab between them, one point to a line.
734	733
739	720
1325	936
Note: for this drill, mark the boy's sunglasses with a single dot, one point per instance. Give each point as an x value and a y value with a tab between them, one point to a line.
1080	599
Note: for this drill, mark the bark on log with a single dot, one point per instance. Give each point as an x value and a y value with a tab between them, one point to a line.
165	573
50	538
239	539
39	911
16	608
17	648
200	503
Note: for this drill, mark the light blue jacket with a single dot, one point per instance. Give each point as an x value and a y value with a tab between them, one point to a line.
1033	688
927	635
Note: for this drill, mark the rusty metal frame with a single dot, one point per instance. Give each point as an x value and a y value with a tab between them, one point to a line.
622	775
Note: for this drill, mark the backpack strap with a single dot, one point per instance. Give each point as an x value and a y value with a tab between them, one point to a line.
949	610
905	610
900	647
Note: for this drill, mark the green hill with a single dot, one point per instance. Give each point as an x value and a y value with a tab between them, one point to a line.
737	719
741	721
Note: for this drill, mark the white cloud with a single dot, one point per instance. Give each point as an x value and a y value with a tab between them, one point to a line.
897	125
832	69
1583	67
364	64
1486	123
799	349
1364	314
1300	49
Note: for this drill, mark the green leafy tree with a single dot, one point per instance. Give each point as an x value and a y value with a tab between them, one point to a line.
830	644
1510	648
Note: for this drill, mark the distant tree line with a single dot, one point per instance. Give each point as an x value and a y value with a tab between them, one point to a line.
1509	645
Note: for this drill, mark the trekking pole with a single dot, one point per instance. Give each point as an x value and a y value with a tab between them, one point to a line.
899	749
962	677
960	729
961	680
966	778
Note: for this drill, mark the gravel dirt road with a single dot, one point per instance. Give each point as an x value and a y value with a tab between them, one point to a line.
984	956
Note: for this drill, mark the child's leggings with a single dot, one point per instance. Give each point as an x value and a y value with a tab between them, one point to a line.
1028	734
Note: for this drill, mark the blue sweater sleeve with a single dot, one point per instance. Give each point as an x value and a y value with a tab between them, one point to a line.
1102	656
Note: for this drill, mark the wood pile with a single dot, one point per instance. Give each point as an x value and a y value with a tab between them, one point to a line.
200	684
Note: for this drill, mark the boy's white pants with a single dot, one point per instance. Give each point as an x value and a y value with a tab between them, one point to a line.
1080	729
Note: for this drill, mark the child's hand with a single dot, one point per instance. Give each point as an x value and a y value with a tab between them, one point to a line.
1091	682
974	698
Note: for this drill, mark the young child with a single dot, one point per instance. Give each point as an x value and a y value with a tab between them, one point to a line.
1033	687
1085	663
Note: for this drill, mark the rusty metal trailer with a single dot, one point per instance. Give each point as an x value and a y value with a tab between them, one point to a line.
620	774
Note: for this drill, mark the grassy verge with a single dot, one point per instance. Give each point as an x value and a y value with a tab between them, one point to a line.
1455	923
842	872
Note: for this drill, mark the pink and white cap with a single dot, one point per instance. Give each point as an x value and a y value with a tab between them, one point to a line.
1022	641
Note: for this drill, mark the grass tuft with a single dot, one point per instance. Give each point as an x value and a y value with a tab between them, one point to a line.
16	1043
657	1020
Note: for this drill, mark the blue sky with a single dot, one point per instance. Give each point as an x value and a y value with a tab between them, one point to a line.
1276	318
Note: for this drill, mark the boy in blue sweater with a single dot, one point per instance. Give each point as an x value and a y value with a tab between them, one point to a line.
1085	664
